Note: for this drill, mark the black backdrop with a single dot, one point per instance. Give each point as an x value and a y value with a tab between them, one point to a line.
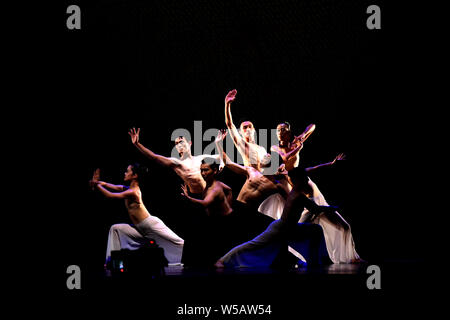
161	65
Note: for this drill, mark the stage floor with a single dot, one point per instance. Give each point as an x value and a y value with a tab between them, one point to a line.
338	289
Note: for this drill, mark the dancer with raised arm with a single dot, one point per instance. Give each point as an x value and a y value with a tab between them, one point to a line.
288	152
256	188
252	154
338	236
289	146
145	227
187	167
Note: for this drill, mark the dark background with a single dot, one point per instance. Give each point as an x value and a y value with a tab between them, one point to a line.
161	65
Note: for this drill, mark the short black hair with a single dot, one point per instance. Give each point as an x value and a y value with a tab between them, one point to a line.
212	163
140	170
182	137
287	124
298	175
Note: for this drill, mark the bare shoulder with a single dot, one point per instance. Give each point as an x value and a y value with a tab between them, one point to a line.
132	192
175	161
224	186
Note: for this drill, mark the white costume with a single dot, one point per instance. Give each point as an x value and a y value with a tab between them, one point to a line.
340	245
125	236
338	236
273	206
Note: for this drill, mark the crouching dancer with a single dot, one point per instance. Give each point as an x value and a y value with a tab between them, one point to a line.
145	226
305	238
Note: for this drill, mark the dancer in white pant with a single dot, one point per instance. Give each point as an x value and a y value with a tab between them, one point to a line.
146	226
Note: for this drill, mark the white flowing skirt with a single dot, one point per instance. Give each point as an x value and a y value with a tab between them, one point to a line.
337	231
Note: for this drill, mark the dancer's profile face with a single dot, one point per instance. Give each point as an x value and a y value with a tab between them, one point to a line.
182	145
207	172
247	129
129	175
283	132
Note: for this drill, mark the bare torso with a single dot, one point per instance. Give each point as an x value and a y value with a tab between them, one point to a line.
135	207
251	153
290	163
220	205
256	188
189	170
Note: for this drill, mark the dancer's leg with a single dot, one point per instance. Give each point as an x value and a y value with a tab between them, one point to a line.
123	236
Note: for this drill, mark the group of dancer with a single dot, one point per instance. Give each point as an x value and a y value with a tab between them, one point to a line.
273	213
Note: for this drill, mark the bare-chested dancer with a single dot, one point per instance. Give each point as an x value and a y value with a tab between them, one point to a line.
289	146
145	226
256	188
252	154
216	200
187	167
217	196
338	236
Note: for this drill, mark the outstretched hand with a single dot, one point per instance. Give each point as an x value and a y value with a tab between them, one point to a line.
231	96
134	135
339	157
95	178
221	134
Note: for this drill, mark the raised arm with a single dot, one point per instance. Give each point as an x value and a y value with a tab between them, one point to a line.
219	144
339	157
147	152
237	139
305	135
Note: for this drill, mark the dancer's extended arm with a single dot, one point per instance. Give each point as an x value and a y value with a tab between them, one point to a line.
237	139
95	180
339	157
134	134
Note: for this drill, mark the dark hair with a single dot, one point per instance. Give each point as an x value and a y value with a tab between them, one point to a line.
182	137
242	120
299	176
288	125
212	163
140	170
